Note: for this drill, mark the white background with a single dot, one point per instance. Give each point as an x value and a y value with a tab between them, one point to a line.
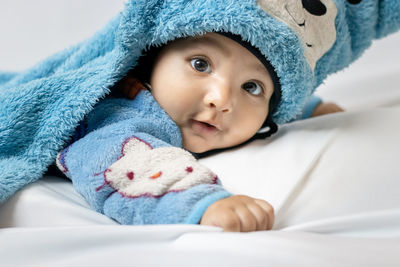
32	30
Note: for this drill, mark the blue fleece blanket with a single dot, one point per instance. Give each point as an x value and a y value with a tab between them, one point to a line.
303	40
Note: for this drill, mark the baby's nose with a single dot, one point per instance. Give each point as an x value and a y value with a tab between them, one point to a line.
220	96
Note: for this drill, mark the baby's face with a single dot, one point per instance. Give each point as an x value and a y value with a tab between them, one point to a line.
214	89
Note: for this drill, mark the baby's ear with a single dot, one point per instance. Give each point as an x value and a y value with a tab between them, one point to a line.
129	87
135	144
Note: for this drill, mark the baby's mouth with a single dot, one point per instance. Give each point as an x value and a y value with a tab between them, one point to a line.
203	128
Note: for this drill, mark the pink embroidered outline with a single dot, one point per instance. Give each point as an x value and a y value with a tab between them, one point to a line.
61	159
129	139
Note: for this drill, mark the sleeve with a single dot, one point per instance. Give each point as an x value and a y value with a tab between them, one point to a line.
135	178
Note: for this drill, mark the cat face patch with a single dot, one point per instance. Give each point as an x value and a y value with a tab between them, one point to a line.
312	20
144	171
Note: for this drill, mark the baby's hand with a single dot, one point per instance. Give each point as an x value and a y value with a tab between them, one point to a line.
240	214
326	108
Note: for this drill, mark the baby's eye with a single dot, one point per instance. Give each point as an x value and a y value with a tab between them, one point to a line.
201	65
253	88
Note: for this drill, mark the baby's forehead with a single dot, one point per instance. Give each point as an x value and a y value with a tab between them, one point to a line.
221	44
207	39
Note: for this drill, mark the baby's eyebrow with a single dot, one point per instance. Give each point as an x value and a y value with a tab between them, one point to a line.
208	41
259	67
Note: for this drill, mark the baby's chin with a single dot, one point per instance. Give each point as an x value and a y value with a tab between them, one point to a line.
196	149
196	146
200	146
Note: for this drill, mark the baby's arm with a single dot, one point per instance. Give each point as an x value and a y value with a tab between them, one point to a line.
129	181
135	184
316	107
135	181
324	108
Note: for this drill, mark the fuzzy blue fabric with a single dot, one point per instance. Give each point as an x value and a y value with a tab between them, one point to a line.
40	107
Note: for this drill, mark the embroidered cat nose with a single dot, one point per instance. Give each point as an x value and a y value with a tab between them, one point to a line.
156	175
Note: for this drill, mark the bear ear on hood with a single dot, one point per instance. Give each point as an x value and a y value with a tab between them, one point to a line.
312	20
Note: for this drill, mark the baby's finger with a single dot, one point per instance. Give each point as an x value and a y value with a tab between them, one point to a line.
248	221
230	221
261	216
269	210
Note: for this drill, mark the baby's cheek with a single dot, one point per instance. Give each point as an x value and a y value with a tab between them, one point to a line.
172	107
252	119
238	135
181	110
192	143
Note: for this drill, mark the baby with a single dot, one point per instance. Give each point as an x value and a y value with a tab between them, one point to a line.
132	156
202	93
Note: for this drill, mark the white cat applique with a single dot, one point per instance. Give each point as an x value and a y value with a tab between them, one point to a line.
144	171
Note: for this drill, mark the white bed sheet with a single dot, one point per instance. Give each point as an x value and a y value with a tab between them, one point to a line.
183	245
334	180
